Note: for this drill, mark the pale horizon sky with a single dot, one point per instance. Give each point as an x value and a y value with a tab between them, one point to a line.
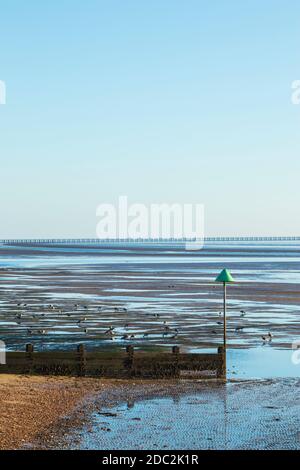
163	101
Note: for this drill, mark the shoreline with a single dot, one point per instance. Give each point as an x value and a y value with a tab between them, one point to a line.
59	413
119	417
183	415
46	412
67	433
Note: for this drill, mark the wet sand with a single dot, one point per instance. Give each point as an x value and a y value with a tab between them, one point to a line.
173	415
44	412
262	415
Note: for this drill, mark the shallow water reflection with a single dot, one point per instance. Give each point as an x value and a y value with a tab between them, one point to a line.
246	415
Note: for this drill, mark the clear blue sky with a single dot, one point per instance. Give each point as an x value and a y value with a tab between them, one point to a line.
161	100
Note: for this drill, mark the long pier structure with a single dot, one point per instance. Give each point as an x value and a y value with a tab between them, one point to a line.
102	241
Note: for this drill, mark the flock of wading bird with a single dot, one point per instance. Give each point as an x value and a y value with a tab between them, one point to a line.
110	332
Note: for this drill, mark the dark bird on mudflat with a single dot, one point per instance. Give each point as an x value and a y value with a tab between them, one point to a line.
267	337
109	331
239	328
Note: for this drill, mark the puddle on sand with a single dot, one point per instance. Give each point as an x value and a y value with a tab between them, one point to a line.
245	415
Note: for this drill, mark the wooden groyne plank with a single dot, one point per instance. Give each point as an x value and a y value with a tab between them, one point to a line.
115	364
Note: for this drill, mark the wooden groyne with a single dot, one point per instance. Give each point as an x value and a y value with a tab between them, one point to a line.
116	364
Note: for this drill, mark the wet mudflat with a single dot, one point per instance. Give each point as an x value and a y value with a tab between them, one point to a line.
58	297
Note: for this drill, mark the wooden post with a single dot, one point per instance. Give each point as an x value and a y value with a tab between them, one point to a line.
29	357
221	371
81	358
29	348
130	358
130	350
175	352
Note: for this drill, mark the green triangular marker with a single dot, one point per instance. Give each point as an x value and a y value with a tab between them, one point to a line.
224	276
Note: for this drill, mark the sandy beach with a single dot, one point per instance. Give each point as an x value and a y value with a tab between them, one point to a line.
42	412
31	405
